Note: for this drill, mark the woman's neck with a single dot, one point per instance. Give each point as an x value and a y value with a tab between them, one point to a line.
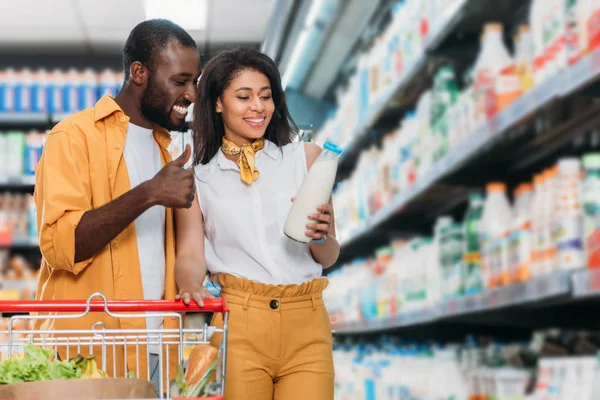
239	141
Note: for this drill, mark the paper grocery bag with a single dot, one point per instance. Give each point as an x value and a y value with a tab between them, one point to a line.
79	389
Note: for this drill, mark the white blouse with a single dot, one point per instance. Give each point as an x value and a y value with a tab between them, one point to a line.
243	225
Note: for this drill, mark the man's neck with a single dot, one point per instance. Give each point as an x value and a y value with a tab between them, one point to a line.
129	103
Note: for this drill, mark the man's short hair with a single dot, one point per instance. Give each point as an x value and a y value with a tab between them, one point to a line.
148	39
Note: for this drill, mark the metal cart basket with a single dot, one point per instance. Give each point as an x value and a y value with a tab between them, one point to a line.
116	346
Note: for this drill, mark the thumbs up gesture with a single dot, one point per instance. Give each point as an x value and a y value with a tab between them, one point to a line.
174	186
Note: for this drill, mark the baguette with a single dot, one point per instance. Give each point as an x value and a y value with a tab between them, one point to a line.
201	357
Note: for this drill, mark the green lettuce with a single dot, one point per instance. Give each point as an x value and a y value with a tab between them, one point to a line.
38	364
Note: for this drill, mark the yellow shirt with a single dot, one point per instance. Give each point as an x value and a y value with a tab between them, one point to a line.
83	168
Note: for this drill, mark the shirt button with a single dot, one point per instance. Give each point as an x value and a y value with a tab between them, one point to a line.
117	146
123	119
109	176
274	304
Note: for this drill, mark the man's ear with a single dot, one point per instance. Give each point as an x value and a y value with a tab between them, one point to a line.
139	73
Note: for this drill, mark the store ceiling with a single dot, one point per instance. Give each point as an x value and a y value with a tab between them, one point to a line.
103	26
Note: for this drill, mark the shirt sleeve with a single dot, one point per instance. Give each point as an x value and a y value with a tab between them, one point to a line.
65	195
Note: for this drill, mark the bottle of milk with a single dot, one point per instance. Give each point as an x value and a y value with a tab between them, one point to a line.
493	230
315	190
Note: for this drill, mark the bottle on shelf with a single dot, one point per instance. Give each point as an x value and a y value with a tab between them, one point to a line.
550	260
496	81
39	93
520	235
494	230
568	211
8	83
56	86
473	279
524	58
23	89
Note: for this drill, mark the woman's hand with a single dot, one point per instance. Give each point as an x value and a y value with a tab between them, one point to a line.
319	229
198	294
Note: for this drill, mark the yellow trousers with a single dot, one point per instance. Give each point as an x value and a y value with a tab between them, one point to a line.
280	341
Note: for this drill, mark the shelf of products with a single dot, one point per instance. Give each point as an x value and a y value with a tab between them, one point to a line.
450	127
500	255
18	221
549	362
562	84
521	119
406	67
552	286
18	272
20	152
25	93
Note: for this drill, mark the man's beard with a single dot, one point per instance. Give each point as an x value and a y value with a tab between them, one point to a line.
155	108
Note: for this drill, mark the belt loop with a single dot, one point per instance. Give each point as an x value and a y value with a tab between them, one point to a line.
314	302
246	301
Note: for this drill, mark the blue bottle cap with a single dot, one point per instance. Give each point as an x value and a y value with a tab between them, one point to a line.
332	147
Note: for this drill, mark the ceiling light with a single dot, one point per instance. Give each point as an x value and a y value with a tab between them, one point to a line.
189	14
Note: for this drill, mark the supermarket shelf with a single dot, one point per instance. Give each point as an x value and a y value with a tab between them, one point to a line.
18	284
538	289
42	119
586	283
25	243
561	85
23	119
446	23
56	118
22	244
545	288
406	319
17	181
452	16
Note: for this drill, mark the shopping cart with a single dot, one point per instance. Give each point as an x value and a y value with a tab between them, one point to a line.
111	342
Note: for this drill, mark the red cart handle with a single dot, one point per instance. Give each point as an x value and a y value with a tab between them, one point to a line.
210	305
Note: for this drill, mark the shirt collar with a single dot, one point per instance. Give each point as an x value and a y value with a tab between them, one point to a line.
271	149
107	106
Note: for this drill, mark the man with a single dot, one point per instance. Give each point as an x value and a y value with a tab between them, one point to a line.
106	187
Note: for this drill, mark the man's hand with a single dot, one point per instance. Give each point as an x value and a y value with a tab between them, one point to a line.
173	186
197	294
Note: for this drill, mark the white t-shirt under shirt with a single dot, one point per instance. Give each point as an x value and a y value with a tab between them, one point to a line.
142	157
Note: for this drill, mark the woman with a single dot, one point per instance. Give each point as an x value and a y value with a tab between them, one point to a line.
247	171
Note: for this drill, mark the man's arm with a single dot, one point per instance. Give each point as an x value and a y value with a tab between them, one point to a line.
190	264
171	187
98	227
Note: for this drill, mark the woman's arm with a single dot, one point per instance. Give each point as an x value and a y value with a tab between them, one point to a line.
190	265
325	253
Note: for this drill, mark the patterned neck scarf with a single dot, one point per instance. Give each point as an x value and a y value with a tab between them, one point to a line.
248	171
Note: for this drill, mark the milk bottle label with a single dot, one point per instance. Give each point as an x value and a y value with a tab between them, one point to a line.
568	238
